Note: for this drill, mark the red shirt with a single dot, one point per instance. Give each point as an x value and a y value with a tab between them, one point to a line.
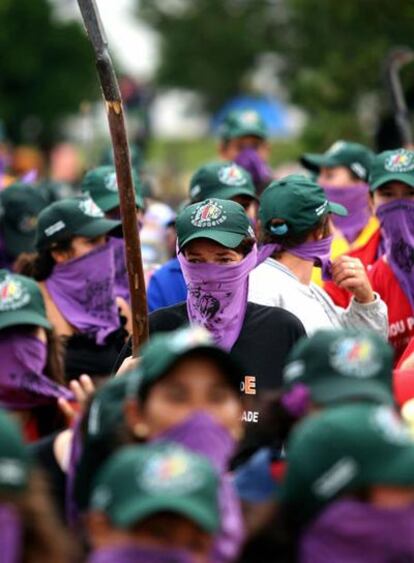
400	314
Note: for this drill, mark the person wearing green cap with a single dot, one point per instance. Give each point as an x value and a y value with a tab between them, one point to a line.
74	267
348	492
154	503
294	214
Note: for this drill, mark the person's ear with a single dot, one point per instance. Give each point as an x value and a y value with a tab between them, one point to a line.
135	420
60	256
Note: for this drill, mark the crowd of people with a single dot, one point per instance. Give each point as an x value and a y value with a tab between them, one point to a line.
270	415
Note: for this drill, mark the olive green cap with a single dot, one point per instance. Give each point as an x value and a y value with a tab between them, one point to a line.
298	202
140	481
391	166
342	365
224	180
223	221
354	156
14	458
21	302
243	123
101	185
72	217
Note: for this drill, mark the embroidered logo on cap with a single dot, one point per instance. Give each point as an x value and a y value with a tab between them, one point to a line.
110	182
13	295
402	161
355	357
209	214
249	118
28	224
232	175
89	207
172	472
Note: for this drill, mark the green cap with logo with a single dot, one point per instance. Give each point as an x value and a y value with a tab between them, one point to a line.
140	481
354	156
297	203
243	123
14	459
342	365
101	185
345	449
78	216
21	302
20	206
392	166
224	180
220	220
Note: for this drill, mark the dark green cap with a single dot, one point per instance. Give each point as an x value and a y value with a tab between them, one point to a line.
101	185
70	217
140	481
21	205
341	365
354	156
14	459
343	449
243	123
164	351
223	221
392	166
224	180
21	302
299	204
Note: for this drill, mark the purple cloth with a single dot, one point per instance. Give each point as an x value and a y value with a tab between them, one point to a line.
297	400
11	541
121	273
30	177
22	382
139	554
71	506
319	252
355	199
349	531
258	169
397	227
83	290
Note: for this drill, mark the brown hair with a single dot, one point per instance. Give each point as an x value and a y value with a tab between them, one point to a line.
243	248
39	265
295	239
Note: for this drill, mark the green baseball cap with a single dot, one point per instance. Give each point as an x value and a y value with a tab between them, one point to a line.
101	185
14	459
164	351
224	180
220	220
354	156
341	365
78	216
298	202
21	205
343	449
21	302
243	123
389	166
140	481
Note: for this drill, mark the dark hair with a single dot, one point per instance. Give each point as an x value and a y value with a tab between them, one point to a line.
39	265
295	239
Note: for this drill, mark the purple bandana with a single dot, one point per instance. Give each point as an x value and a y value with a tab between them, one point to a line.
83	290
297	400
217	296
355	199
22	383
318	252
259	171
10	534
397	227
121	273
138	554
355	532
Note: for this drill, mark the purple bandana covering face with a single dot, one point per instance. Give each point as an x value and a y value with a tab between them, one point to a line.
121	273
355	532
355	199
217	296
83	290
318	252
22	382
397	227
258	169
138	554
10	534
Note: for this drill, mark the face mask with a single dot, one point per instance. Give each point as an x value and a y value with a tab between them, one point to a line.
356	532
83	290
397	227
22	382
355	199
297	401
318	252
137	554
259	171
217	296
121	273
10	534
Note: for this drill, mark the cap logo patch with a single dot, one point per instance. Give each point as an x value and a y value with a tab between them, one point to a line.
232	175
56	227
249	118
28	224
209	214
173	473
110	182
358	169
89	207
402	161
354	357
195	190
387	422
336	478
13	295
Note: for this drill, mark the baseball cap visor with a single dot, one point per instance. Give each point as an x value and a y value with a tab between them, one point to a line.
338	209
393	177
336	389
225	238
98	227
14	318
232	192
395	470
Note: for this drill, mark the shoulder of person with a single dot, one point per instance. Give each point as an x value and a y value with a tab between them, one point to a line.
274	317
168	318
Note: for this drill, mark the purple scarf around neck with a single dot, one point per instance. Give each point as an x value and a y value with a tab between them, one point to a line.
121	273
397	227
139	554
318	252
258	169
11	541
83	290
22	382
355	199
